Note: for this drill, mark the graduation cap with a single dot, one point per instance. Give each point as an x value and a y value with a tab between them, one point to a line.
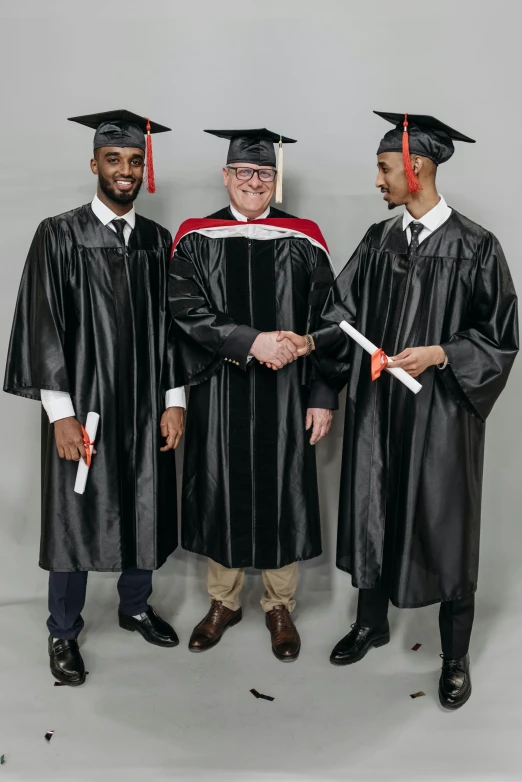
256	146
422	135
123	128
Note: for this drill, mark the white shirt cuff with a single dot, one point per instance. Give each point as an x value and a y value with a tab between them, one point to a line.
57	405
175	397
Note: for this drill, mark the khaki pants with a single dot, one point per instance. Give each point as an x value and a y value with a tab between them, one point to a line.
225	584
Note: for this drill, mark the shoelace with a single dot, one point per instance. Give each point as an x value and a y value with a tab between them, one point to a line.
452	665
215	612
283	623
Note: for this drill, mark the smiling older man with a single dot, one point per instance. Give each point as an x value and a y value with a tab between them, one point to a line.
249	487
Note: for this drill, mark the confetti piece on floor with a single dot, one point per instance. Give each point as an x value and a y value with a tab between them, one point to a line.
416	647
49	735
260	695
417	694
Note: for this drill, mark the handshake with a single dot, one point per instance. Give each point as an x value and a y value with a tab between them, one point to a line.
276	349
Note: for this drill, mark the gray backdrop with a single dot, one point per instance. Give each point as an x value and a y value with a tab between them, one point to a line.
310	70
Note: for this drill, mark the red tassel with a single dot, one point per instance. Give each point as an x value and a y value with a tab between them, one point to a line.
151	185
379	362
413	181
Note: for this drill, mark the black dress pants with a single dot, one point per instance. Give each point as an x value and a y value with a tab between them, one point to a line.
455	619
67	599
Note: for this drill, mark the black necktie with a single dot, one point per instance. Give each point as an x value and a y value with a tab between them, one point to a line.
415	229
119	225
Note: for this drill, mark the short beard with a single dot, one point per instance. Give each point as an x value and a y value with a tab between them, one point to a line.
391	205
113	195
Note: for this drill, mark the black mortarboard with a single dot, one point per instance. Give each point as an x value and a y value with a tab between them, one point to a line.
422	135
123	128
256	146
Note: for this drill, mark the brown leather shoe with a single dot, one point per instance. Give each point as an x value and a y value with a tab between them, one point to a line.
286	643
209	631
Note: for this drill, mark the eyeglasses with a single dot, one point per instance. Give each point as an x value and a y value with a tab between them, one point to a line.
244	174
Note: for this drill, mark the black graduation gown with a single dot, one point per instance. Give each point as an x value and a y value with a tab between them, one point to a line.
411	478
249	478
93	320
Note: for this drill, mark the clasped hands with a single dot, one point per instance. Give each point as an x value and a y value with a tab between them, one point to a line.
281	347
276	349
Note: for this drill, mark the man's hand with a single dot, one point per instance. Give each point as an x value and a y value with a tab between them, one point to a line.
172	426
320	420
298	342
272	350
415	360
69	440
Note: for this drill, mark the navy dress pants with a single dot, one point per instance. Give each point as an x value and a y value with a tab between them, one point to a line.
67	599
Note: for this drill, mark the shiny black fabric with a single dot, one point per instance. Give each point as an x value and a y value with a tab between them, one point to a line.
119	128
246	150
249	485
433	144
255	145
412	465
93	320
427	136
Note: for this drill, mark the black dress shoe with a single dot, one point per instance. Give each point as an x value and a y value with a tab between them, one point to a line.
152	627
455	682
358	642
66	662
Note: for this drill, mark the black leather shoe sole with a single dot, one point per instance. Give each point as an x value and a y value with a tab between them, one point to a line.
286	658
375	644
454	706
131	627
199	649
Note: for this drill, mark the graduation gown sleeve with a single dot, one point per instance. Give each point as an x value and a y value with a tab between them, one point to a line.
322	395
173	372
481	355
332	347
201	329
36	358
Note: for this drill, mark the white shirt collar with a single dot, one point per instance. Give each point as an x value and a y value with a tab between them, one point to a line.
106	215
432	219
242	219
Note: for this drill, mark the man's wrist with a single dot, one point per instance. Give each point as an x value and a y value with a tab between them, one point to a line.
64	419
440	356
310	344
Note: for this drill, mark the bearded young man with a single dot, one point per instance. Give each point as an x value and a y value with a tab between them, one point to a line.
92	333
249	486
434	290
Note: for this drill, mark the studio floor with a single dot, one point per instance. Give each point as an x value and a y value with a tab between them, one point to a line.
160	714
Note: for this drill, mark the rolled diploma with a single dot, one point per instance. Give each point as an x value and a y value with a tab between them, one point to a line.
91	427
399	373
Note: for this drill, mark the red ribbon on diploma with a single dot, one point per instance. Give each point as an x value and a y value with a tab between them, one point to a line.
87	443
379	363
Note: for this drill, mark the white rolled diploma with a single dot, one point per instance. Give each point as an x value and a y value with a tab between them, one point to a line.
399	373
91	427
